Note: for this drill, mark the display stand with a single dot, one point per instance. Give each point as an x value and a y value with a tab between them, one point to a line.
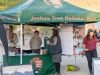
76	68
75	60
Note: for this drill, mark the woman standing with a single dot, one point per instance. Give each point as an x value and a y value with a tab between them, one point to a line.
56	42
89	45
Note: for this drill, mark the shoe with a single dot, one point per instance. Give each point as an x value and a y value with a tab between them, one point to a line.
55	74
58	73
91	73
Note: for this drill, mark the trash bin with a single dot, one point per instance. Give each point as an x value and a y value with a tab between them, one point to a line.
47	46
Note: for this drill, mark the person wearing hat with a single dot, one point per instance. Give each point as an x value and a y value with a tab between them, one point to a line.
55	43
89	44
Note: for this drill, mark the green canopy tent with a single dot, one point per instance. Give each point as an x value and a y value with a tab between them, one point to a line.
44	11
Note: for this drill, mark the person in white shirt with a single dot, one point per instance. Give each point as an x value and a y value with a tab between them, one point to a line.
12	40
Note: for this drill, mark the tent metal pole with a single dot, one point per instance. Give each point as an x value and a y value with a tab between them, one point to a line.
21	42
23	36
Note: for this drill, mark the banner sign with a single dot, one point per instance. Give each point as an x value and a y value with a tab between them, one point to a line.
66	34
62	18
78	36
10	18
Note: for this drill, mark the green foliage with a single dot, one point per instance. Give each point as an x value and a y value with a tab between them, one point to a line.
14	27
46	31
5	4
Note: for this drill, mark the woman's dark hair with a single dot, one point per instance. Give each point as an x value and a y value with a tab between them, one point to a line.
11	26
36	31
55	33
88	35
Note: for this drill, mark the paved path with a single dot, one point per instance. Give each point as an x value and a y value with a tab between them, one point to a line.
81	62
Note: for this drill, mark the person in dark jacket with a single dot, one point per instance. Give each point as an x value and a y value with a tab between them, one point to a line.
56	58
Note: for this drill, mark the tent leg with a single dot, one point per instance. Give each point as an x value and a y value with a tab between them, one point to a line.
21	31
23	36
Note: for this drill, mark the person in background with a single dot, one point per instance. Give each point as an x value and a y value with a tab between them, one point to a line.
12	40
97	34
35	43
55	39
89	45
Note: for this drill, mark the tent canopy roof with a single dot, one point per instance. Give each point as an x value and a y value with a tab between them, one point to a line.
33	11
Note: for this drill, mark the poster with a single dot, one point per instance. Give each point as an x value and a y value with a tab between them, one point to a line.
66	34
78	36
17	70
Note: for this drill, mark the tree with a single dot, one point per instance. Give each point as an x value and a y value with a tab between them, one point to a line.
46	31
5	4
